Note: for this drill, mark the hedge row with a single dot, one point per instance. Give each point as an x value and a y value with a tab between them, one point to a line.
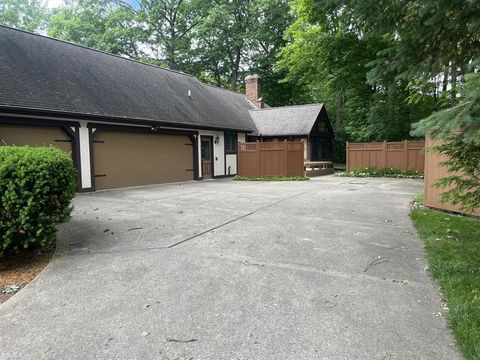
37	185
384	172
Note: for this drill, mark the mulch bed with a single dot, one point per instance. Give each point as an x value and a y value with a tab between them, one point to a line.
18	269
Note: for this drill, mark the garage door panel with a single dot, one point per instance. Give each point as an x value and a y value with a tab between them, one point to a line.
35	136
130	159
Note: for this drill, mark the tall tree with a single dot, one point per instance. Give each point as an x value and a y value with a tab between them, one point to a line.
241	36
170	25
28	15
427	35
100	24
226	34
353	56
272	19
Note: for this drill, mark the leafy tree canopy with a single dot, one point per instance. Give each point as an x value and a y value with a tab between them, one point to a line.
29	15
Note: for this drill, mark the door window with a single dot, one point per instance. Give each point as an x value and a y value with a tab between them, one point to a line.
206	150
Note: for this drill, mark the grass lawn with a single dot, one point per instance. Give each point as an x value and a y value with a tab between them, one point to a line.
452	244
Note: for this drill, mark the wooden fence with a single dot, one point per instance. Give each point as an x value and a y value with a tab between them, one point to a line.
434	171
283	158
400	155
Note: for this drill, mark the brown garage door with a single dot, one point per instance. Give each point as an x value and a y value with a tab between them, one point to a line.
130	159
35	136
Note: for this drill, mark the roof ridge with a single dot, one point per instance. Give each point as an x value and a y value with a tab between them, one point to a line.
287	106
221	88
231	91
96	50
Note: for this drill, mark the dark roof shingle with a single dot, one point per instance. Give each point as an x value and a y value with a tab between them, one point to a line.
37	72
286	121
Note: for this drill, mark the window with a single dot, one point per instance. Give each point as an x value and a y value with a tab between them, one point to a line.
230	143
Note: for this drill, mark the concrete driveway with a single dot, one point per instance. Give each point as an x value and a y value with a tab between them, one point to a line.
324	269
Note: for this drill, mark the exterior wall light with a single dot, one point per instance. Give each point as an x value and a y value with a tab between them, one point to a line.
217	139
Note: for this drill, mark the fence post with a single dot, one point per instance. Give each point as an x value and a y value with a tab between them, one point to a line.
239	157
405	154
347	164
257	148
285	160
385	155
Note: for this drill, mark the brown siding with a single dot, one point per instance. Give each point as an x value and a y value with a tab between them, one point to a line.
401	155
35	136
434	171
129	159
281	158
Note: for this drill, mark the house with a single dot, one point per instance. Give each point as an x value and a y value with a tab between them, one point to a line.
307	123
125	123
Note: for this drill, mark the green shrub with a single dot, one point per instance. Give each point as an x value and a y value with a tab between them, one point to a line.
271	178
36	188
384	172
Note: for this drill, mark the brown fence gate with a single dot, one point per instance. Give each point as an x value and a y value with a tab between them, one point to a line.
400	155
283	158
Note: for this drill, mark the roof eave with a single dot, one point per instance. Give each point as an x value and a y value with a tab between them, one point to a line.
7	109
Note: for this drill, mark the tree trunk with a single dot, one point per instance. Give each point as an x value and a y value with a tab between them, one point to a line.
391	103
340	100
445	79
170	51
235	68
453	80
218	78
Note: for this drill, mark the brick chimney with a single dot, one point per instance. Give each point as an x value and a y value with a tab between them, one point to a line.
253	91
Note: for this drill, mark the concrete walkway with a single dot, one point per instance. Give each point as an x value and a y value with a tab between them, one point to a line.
324	269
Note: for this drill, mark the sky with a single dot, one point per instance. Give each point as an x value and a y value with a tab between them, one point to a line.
54	3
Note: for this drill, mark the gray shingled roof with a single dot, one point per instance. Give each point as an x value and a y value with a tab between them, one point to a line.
37	72
286	121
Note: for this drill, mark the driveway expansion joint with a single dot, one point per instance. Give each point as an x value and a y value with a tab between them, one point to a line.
236	219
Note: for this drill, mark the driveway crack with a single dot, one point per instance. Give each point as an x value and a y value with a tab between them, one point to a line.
236	219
